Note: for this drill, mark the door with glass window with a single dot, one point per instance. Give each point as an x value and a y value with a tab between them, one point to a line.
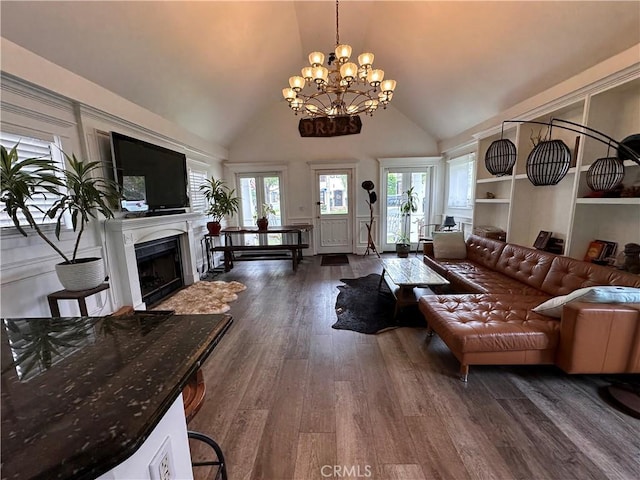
399	227
257	191
333	207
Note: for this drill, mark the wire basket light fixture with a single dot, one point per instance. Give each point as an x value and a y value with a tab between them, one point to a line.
549	161
342	88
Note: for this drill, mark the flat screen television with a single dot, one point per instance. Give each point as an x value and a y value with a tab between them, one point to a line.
152	179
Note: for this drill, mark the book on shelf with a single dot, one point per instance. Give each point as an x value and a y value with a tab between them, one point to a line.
608	252
594	251
601	251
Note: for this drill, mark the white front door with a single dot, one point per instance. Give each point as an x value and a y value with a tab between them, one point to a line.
334	225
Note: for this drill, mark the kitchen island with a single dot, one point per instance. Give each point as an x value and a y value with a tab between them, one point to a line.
81	395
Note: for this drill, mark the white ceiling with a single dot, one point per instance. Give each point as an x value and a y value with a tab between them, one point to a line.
210	66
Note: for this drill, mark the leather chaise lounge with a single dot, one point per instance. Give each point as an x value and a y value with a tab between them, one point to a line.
490	319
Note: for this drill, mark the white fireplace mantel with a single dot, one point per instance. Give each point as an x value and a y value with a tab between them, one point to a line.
122	234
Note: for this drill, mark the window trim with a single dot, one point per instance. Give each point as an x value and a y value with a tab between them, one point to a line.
56	153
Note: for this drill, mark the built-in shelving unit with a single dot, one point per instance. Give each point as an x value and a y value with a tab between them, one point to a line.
514	204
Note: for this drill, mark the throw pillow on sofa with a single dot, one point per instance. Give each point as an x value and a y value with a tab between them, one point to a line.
603	294
449	245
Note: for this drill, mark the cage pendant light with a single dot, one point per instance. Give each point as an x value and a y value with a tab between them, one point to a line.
605	174
548	162
500	157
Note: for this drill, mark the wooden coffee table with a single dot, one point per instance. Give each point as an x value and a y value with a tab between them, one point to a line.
407	275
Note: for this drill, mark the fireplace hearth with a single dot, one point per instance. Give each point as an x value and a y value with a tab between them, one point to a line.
159	268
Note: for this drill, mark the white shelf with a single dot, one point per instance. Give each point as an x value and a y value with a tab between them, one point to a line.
493	200
609	201
495	179
523	209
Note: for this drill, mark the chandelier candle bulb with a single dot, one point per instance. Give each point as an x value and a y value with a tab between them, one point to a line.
365	59
296	104
289	94
320	75
388	86
343	53
316	58
375	76
385	97
296	83
307	73
349	71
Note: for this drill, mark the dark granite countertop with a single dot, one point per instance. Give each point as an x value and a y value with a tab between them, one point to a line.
80	395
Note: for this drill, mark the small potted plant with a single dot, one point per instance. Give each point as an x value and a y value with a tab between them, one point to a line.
81	193
267	211
407	207
222	202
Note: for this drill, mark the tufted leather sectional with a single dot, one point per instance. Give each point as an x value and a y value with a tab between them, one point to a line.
489	320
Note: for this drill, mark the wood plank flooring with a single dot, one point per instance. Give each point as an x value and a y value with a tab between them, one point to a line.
288	397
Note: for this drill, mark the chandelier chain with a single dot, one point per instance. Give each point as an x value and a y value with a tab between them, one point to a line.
337	25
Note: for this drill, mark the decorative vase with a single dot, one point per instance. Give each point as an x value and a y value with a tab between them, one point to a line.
84	274
263	223
548	162
214	228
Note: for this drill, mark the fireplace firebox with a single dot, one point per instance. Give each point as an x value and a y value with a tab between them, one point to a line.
159	268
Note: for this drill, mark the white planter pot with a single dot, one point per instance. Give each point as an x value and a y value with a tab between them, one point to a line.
87	274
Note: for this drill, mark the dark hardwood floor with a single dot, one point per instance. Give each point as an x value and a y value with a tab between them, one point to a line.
288	397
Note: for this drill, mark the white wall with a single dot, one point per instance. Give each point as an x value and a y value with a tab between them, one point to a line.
272	137
43	99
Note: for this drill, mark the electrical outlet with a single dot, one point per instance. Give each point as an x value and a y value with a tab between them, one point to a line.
161	466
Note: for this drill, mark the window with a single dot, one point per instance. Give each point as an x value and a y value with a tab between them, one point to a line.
29	147
197	177
461	181
398	181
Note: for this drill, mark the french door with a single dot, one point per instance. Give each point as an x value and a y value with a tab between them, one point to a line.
334	224
255	191
397	181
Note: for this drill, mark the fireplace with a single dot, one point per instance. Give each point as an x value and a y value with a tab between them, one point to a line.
126	235
159	268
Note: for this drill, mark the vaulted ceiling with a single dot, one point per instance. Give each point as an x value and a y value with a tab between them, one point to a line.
210	66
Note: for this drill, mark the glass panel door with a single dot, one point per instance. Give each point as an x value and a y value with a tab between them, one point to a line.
334	227
397	182
257	190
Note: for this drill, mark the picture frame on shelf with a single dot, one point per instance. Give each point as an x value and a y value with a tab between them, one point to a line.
542	239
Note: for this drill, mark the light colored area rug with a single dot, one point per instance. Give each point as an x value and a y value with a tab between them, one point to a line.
203	298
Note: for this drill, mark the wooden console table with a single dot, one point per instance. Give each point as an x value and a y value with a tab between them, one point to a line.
294	243
79	295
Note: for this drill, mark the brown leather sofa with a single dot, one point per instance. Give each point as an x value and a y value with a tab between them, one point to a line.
489	319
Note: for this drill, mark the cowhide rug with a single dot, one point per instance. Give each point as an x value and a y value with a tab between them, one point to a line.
203	298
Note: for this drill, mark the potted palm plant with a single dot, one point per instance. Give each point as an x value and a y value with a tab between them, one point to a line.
407	207
81	194
222	202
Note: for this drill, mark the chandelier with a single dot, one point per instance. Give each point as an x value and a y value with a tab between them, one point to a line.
342	89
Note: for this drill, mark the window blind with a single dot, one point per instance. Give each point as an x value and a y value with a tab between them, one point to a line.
197	177
29	147
461	181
